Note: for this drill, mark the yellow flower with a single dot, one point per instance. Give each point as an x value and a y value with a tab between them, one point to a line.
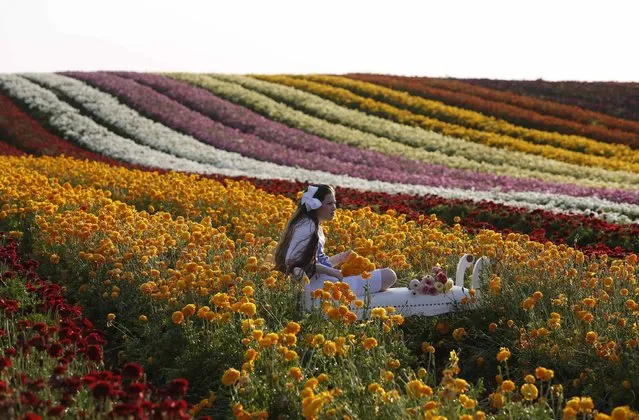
418	389
295	373
544	374
369	343
230	376
143	319
54	258
374	387
430	405
292	328
111	317
177	317
329	348
508	386
290	355
250	355
503	355
189	310
378	313
497	400
248	309
459	333
393	364
529	391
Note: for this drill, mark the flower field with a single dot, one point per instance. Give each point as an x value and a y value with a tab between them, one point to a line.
140	213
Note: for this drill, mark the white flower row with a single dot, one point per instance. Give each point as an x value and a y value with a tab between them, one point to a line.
370	125
72	125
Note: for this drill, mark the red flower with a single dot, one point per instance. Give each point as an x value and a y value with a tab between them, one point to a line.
31	416
178	387
5	362
55	350
56	411
102	389
136	391
94	353
132	371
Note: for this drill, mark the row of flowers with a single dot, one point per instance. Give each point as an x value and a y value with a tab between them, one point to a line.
616	212
410	142
589	234
472	125
7	150
614	99
247	121
195	289
52	362
520	110
25	133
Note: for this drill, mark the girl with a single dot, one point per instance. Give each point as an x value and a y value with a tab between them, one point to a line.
302	245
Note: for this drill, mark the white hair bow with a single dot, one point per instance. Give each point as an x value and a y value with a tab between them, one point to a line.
309	201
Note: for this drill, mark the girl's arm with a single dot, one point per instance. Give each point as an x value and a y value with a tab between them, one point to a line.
337	259
333	272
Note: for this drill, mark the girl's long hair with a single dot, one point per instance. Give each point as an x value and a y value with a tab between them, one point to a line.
306	258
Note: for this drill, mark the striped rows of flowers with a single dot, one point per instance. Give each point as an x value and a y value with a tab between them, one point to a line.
72	124
82	130
479	125
617	212
505	105
421	145
52	362
187	288
591	233
245	120
605	210
408	109
614	99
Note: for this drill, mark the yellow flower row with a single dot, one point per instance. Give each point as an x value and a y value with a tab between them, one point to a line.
457	122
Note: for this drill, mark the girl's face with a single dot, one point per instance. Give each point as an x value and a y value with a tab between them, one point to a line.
327	211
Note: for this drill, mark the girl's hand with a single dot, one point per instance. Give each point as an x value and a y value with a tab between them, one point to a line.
345	254
338	274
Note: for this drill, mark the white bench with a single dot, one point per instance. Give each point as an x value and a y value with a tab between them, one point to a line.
407	302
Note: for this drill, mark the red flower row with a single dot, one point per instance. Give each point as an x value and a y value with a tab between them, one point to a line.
64	341
21	131
520	110
620	100
8	150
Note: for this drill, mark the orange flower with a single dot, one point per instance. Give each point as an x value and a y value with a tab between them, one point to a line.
230	376
369	343
296	373
177	317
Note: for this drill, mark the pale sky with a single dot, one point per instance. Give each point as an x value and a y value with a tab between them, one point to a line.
513	39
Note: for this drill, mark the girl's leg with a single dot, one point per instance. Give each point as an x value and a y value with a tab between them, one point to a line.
388	278
381	279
